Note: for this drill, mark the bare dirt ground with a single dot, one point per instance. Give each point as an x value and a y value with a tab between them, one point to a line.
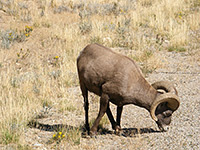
139	130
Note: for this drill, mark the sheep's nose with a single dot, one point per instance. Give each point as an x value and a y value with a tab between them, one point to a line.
167	128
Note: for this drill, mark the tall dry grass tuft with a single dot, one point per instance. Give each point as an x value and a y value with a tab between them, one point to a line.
39	67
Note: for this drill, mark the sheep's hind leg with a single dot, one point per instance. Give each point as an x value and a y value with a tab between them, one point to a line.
115	126
86	106
103	107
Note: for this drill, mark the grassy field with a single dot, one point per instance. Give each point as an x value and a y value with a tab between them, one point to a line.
41	39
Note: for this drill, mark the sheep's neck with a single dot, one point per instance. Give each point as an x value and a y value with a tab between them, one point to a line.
145	97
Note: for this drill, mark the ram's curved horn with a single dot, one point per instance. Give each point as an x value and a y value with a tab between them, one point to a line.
172	100
167	86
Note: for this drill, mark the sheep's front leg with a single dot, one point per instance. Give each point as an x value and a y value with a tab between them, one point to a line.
103	107
112	121
119	113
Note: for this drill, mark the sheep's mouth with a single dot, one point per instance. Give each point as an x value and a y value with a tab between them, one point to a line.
161	127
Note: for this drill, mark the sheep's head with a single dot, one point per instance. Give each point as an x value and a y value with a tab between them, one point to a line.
165	104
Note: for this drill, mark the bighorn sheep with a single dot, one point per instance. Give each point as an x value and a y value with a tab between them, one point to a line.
117	79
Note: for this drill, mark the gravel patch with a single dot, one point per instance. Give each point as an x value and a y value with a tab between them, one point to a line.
139	130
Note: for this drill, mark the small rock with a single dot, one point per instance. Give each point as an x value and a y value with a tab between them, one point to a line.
37	145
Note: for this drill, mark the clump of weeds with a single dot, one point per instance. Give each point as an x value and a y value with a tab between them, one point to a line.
71	135
9	37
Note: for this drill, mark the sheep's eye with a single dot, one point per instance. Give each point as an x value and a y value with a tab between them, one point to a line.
166	114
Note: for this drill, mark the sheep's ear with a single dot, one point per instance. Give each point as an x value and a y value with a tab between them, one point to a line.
161	91
172	100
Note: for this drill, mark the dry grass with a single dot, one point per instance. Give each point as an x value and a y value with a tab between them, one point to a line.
46	67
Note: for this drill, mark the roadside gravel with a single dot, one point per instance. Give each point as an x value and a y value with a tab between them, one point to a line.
139	130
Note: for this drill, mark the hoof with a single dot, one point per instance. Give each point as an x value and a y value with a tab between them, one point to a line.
85	135
93	134
117	130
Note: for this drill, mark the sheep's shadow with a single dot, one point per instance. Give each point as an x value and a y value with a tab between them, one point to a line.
126	132
50	128
129	132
